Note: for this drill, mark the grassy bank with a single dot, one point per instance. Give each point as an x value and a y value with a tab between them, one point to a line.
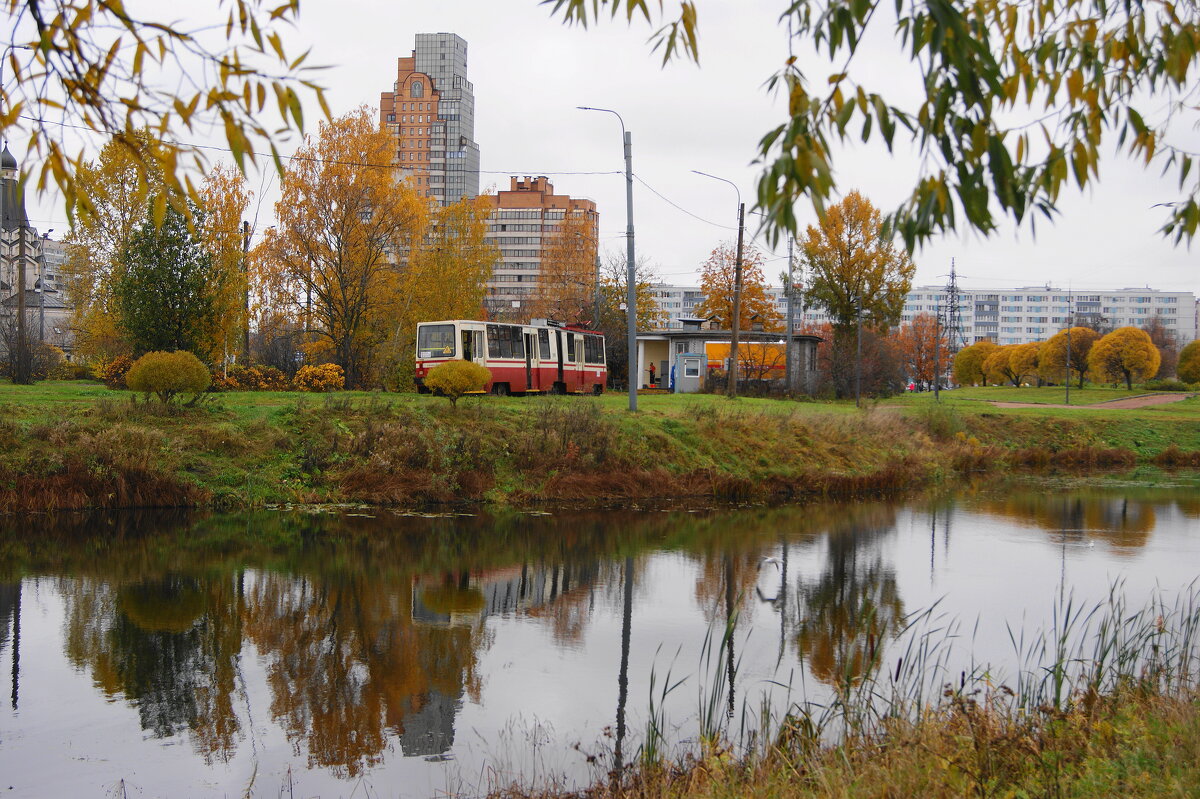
76	445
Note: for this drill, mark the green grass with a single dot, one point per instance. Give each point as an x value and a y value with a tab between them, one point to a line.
75	441
1047	395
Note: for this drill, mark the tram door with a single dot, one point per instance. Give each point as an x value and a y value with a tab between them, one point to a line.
529	345
559	354
472	347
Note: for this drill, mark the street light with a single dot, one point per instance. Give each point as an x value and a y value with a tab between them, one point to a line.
630	268
737	286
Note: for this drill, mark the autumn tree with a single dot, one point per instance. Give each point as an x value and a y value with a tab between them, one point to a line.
1090	75
104	67
854	268
1126	354
969	363
1164	339
1024	360
225	198
921	345
614	279
165	294
567	288
999	368
445	278
1052	356
717	283
119	198
343	222
1188	368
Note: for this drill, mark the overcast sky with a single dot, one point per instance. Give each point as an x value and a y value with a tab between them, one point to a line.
530	72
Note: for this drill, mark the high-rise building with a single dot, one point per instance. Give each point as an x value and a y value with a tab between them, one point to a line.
521	223
431	112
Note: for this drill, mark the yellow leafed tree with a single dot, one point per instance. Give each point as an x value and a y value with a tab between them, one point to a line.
344	223
717	277
445	278
1125	354
120	197
226	197
567	288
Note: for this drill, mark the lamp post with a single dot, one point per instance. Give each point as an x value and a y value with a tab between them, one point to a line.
736	321
630	267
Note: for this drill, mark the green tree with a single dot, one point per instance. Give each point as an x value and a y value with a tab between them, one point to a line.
1052	357
1188	368
854	265
165	293
1089	74
969	363
1126	354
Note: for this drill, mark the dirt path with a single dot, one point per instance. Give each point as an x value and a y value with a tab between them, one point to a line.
1132	402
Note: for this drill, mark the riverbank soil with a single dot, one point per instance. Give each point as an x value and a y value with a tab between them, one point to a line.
77	445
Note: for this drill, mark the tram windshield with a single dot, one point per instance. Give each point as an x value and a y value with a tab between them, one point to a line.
435	341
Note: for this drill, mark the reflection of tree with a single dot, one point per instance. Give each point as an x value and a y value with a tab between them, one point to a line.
170	645
347	665
844	616
1122	521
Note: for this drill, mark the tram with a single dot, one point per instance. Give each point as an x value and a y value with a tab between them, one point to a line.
543	357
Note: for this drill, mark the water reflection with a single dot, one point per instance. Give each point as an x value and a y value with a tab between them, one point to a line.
365	639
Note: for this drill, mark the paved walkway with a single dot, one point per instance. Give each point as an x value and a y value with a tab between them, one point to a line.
1132	402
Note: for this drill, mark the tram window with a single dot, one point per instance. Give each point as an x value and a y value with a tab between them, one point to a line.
544	344
468	350
493	337
435	341
518	342
593	349
570	346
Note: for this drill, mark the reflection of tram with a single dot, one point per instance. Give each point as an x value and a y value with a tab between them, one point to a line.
543	357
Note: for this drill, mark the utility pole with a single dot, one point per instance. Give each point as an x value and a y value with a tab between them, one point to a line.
246	293
791	321
1068	346
937	351
596	313
858	355
737	303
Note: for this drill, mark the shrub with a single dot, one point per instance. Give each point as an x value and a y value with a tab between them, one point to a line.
252	378
1166	385
455	378
113	372
326	377
168	374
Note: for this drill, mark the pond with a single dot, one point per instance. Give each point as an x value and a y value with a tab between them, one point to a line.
371	653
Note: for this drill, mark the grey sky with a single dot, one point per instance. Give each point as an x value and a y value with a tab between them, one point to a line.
530	72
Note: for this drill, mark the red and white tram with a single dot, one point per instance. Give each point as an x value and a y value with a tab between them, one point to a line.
542	357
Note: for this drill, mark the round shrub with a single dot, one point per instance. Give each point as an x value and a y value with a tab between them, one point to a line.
168	374
113	372
1188	367
326	377
455	378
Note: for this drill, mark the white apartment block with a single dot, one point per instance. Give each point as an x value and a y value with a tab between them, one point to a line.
1006	316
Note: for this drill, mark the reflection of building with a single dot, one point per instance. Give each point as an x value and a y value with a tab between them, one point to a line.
431	112
430	730
521	224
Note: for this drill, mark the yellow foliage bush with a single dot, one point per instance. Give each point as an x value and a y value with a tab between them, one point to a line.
326	377
113	372
168	374
253	378
455	378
